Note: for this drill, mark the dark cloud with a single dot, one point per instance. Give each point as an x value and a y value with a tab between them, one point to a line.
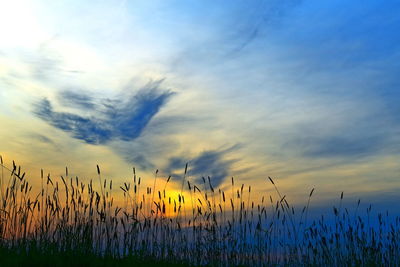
209	163
90	130
133	118
112	119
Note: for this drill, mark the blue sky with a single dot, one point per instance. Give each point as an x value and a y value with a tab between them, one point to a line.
303	91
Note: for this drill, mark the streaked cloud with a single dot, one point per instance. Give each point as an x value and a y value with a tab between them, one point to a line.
73	99
121	119
212	163
338	146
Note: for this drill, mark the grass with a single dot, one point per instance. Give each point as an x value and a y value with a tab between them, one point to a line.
66	222
73	258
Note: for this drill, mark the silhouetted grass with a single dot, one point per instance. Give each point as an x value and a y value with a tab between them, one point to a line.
73	258
67	222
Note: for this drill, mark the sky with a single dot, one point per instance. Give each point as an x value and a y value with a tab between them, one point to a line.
306	92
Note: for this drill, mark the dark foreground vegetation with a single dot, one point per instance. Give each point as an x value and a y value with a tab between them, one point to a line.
65	222
53	257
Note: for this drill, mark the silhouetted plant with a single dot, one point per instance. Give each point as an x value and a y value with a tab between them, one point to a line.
198	227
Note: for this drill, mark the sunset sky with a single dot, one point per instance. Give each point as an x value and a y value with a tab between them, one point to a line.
307	92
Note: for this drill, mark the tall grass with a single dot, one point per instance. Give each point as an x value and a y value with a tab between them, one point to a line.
201	226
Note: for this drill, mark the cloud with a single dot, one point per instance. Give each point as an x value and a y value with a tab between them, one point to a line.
90	130
338	146
112	119
157	141
139	159
76	100
209	163
41	138
226	34
250	25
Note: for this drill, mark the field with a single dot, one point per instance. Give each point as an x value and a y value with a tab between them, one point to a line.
66	222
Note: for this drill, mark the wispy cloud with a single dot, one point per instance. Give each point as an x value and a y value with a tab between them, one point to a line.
338	146
70	98
112	119
247	26
41	138
211	163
